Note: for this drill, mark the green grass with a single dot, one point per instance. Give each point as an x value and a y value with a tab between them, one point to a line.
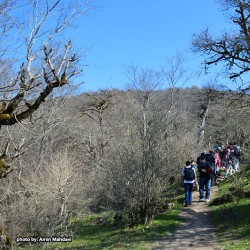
231	212
91	234
233	230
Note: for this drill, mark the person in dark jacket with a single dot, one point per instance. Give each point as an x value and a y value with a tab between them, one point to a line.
211	161
205	179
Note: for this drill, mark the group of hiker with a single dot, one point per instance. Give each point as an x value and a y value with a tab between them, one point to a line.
208	166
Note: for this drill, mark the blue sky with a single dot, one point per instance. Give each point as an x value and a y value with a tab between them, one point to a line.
143	33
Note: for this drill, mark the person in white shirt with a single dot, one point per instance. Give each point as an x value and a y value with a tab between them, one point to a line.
189	177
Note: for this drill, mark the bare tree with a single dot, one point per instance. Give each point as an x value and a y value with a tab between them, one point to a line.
44	68
33	61
94	109
230	48
208	98
35	64
150	138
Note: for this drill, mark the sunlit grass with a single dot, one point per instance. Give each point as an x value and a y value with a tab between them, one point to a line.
231	211
96	231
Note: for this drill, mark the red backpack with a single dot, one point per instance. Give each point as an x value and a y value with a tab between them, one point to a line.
226	154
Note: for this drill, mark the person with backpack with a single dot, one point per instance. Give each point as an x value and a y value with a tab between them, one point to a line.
189	177
226	156
202	156
211	161
221	154
236	156
205	179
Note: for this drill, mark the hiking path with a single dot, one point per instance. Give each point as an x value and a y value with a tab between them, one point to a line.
196	232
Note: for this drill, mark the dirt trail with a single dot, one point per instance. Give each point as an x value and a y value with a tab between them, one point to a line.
197	232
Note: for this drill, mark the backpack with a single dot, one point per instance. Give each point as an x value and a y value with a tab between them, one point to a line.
211	169
210	158
189	174
236	151
226	154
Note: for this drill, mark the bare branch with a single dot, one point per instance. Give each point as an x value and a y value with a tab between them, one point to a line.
230	49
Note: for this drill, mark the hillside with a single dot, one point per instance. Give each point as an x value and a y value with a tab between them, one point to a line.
112	150
200	226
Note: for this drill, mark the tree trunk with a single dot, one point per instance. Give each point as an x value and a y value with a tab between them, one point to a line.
201	126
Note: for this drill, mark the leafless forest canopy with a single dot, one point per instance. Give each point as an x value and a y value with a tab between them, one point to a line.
65	155
110	150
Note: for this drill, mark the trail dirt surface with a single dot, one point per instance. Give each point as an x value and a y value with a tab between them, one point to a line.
196	232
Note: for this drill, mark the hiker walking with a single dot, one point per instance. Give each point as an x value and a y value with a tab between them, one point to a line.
211	161
205	178
236	156
221	154
217	166
226	156
189	177
229	168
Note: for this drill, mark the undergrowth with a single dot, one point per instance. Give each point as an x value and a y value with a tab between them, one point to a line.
230	215
96	231
231	210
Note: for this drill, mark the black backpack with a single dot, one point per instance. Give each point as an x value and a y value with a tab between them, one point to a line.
212	168
236	151
189	174
210	158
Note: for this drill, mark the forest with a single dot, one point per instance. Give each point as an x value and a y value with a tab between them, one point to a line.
65	154
110	150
